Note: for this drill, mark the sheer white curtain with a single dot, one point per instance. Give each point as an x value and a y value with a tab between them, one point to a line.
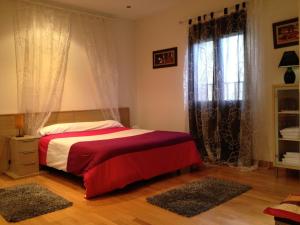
101	55
255	31
42	40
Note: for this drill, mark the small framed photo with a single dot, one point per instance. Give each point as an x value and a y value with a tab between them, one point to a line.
286	33
165	58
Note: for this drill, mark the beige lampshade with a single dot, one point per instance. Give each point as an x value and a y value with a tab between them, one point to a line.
19	121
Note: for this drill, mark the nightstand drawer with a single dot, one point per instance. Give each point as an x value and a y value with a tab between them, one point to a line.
27	168
24	145
26	156
24	159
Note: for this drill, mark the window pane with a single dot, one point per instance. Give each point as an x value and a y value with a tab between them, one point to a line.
232	68
205	63
232	57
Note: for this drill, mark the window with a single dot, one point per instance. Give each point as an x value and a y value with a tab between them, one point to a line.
231	66
205	63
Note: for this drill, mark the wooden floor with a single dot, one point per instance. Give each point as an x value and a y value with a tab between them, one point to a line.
128	207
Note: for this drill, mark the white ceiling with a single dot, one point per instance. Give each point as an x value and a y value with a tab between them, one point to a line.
117	8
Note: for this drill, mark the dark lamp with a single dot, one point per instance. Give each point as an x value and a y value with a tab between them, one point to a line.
289	60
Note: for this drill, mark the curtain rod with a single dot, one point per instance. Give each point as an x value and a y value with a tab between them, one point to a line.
68	8
211	14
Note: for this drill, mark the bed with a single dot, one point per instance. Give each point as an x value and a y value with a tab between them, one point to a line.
109	156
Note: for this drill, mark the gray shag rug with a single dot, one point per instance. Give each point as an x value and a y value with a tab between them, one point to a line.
199	196
29	200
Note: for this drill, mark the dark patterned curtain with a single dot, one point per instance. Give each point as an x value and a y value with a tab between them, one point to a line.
219	110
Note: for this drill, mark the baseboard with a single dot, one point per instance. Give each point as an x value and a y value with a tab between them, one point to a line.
265	164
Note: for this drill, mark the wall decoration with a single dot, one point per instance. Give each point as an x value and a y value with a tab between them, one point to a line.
286	33
165	58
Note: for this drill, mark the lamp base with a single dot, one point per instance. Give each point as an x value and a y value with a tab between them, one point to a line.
289	76
20	133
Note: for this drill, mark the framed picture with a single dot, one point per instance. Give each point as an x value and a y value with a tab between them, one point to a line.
286	33
165	58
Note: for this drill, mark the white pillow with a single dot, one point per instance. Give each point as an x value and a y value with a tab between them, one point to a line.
81	126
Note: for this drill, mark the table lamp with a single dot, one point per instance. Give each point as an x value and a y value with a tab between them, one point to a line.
289	60
19	121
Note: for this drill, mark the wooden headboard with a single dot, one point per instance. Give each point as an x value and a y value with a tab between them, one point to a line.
86	116
7	125
7	122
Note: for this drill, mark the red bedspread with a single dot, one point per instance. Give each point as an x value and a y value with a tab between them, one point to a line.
110	164
85	155
44	141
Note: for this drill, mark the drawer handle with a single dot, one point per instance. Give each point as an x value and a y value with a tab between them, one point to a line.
27	152
29	164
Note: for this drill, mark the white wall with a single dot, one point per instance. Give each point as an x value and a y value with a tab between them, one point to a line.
8	80
79	92
160	95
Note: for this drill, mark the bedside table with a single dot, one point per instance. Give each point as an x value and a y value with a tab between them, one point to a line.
24	159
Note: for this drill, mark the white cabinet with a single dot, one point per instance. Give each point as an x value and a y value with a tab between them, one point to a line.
287	133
